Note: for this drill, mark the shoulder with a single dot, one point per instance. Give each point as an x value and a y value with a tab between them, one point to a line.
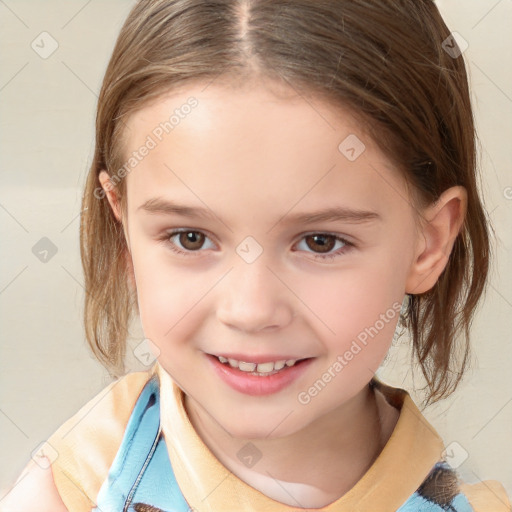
83	448
487	496
34	490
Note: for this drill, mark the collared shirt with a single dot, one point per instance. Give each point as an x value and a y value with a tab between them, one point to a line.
84	450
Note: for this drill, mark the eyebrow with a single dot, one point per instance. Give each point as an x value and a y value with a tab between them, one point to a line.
158	205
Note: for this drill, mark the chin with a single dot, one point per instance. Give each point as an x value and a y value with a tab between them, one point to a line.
257	428
248	431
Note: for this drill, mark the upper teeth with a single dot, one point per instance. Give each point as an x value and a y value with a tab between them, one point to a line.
258	367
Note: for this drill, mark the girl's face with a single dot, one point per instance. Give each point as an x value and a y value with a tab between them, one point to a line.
298	242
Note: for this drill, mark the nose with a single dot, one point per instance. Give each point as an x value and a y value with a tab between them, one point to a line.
255	298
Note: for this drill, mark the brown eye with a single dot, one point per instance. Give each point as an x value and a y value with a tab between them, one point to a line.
322	246
187	242
320	243
191	240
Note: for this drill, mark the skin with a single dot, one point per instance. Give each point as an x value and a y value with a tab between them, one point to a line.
253	158
33	490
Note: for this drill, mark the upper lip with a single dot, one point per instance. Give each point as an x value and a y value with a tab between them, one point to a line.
259	358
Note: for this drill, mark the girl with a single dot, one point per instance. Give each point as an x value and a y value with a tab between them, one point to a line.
275	184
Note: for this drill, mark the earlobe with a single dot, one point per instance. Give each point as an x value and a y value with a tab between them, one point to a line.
442	222
110	192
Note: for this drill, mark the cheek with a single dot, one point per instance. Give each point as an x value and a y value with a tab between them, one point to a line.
168	296
356	308
352	296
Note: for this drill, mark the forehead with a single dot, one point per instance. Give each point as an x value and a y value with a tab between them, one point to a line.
249	106
254	142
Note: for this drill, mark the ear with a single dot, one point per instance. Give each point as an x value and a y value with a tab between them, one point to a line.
441	224
111	194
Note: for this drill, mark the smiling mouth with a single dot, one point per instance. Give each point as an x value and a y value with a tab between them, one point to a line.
264	368
266	374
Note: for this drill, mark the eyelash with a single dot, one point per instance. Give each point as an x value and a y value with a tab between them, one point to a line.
166	239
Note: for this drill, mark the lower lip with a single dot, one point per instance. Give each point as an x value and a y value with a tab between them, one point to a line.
253	385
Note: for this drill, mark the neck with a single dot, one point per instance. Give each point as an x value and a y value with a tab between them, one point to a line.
341	446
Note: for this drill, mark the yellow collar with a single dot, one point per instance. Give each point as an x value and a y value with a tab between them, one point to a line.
208	486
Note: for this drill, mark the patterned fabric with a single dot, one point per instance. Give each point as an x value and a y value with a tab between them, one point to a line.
142	479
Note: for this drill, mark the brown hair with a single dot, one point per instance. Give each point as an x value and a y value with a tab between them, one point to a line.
384	60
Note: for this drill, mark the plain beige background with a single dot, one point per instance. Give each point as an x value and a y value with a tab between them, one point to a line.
47	108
